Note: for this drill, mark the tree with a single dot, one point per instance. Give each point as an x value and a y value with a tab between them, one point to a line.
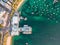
42	10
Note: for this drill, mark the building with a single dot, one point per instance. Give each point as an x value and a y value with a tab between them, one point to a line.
15	24
5	10
26	29
5	4
4	17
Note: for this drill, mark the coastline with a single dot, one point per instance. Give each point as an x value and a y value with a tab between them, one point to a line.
20	4
9	40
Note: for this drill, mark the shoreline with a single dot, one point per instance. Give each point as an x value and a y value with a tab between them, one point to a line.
9	40
20	4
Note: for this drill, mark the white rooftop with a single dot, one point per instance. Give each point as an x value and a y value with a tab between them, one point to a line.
26	28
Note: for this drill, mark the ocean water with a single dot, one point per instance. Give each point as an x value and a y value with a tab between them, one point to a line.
45	26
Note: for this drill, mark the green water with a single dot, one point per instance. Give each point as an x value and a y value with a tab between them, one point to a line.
44	31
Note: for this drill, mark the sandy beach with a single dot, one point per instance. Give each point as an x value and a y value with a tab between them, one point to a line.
20	4
9	39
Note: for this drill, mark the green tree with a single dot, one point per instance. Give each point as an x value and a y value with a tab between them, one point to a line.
42	10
